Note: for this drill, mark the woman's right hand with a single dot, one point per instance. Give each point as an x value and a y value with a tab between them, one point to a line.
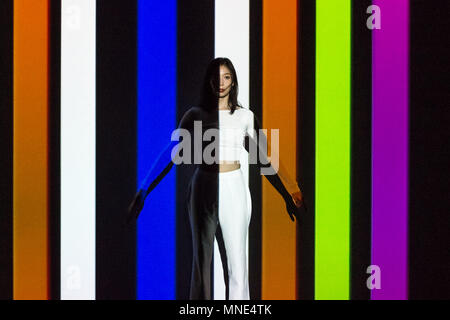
297	197
294	203
135	207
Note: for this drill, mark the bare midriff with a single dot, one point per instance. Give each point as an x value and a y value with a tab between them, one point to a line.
225	166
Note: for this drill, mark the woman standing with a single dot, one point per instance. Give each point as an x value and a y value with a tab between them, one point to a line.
218	186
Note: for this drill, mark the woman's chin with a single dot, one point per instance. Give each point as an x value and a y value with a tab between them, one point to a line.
222	94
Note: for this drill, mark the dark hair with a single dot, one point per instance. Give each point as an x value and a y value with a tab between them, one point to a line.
209	98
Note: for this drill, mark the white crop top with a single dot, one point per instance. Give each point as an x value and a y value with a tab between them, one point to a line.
232	131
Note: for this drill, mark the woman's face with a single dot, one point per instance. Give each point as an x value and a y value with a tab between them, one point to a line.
226	81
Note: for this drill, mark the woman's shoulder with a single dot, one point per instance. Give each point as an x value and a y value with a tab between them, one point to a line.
194	110
189	116
247	110
246	114
194	113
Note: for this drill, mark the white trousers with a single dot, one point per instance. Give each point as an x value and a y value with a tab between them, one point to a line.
219	199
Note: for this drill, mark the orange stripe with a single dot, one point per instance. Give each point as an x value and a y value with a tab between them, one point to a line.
30	149
279	111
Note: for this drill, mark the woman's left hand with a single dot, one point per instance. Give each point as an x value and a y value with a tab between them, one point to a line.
297	197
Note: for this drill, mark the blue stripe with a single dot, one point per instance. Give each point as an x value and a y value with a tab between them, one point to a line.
156	120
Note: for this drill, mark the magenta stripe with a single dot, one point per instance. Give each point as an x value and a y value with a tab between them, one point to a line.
390	149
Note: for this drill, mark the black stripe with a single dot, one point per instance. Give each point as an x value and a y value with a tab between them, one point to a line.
195	47
255	180
360	175
429	156
54	218
6	150
306	145
116	147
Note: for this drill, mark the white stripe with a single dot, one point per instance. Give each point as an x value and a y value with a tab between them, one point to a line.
232	32
78	149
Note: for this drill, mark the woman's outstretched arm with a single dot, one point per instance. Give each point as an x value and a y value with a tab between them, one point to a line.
279	177
159	169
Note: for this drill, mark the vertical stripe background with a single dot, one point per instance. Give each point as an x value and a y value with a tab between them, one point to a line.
429	155
116	146
78	150
195	49
35	191
255	181
156	120
360	150
30	154
237	33
390	149
332	194
6	150
306	146
54	118
279	91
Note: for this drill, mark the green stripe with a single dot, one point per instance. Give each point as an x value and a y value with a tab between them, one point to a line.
333	54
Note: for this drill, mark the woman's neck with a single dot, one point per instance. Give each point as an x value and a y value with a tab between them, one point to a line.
223	103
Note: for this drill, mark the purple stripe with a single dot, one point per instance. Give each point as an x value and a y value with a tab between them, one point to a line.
390	149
